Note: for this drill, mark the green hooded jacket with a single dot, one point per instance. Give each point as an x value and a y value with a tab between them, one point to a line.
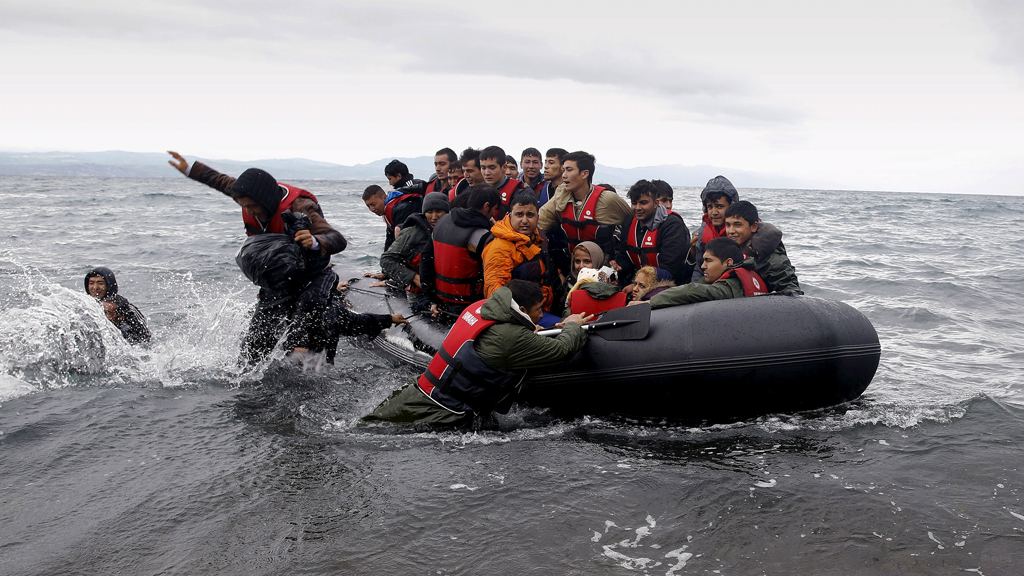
694	292
511	344
777	271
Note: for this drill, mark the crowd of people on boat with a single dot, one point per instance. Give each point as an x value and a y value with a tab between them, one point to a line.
497	247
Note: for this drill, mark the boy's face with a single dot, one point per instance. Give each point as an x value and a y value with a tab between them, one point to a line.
433	216
97	287
580	260
666	202
531	167
393	179
441	165
552	168
713	267
535	311
716	211
376	204
644	208
454	175
472	172
575	179
511	170
739	229
493	171
524	218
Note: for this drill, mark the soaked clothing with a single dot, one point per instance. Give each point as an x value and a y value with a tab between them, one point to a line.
127	318
508	345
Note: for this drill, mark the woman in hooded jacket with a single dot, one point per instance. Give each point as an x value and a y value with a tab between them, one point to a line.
101	284
649	282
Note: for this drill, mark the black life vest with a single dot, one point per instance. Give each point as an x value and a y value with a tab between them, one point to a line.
644	251
458	276
276	224
753	285
586	226
457	379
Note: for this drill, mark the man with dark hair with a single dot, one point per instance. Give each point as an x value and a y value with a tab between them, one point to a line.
376	201
763	243
727	274
406	198
266	205
485	375
511	167
101	284
665	193
582	210
492	161
552	177
401	262
442	160
653	236
455	174
451	266
531	163
519	251
471	176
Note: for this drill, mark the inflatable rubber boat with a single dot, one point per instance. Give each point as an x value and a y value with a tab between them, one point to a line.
709	362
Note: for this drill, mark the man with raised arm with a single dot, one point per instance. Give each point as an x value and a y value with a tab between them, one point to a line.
582	210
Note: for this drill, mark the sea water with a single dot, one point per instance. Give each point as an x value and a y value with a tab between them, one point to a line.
171	459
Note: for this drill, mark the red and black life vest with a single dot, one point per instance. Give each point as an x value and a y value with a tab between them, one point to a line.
753	284
644	251
436	185
457	379
506	192
458	276
276	224
389	208
581	302
586	227
414	265
455	190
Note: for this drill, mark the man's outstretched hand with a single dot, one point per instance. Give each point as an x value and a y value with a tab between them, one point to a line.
179	162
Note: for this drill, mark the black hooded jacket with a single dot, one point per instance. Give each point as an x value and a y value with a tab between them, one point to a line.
128	319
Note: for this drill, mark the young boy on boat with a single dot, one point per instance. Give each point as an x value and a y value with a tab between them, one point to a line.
653	236
763	243
493	344
727	274
401	262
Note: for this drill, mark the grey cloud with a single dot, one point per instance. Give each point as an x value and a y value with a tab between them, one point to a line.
331	34
1006	19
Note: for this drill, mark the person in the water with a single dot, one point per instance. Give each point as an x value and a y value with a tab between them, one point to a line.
265	204
101	284
484	359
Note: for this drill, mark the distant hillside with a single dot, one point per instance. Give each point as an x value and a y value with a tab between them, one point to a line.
115	164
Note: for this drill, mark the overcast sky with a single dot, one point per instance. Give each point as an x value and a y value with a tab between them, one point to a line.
872	95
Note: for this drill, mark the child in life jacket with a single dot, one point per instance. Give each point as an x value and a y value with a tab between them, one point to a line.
727	274
762	242
649	282
592	287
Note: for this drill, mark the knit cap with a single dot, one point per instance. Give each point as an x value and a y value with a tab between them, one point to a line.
261	187
435	201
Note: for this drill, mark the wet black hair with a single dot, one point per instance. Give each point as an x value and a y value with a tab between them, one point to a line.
527	294
724	248
397	168
493	153
371	191
532	152
455	165
452	156
483	194
584	161
510	160
664	189
743	209
642	188
559	153
713	196
525	199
